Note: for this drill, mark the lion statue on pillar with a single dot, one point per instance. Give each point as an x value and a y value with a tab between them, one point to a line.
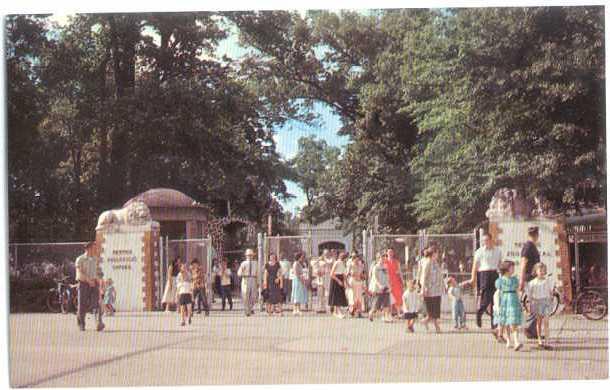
135	213
508	203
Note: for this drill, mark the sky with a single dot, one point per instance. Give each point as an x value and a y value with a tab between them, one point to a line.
287	138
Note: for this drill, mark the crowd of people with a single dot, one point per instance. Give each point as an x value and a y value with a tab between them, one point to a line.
345	288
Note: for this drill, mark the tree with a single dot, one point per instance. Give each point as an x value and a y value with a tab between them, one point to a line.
26	38
311	165
445	106
505	97
139	101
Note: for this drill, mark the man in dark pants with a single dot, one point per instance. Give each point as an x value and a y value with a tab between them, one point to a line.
88	287
529	257
485	270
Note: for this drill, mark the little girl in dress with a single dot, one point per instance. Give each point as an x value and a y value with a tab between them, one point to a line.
510	307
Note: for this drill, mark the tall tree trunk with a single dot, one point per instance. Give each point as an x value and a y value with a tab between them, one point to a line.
124	35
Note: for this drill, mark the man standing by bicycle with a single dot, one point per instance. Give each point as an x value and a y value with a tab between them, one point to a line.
530	256
88	287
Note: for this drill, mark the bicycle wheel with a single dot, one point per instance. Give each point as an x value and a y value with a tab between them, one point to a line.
53	303
524	302
556	302
592	305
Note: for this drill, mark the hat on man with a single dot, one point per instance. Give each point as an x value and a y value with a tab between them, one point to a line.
532	230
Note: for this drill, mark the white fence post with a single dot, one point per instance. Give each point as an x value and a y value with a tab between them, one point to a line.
160	285
210	293
365	253
261	263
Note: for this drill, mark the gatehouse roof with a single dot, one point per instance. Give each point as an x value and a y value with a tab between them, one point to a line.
165	198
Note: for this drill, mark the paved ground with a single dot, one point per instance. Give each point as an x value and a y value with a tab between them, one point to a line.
47	350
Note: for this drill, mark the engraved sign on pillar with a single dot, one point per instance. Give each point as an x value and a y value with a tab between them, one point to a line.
124	256
514	234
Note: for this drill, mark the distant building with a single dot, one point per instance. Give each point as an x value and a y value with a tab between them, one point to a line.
327	235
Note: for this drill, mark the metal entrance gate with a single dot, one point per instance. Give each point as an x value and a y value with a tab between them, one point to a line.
456	250
188	250
285	247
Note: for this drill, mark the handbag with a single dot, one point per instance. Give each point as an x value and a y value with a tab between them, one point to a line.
265	294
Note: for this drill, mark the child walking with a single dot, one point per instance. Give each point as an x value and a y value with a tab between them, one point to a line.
455	291
109	298
510	308
185	294
540	295
410	305
499	331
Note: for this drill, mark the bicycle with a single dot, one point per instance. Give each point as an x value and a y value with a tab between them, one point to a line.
556	297
592	303
63	298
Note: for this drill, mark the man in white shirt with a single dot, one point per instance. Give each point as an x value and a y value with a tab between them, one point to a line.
87	276
485	267
248	271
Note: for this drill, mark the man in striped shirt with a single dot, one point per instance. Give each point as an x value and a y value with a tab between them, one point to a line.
200	296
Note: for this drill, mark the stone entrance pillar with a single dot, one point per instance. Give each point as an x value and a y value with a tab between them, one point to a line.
127	242
509	218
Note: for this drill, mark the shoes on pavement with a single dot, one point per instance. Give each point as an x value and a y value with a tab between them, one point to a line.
479	322
182	323
207	313
190	320
518	346
529	335
100	327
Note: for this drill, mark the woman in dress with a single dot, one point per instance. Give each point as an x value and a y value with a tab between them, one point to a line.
432	286
336	295
169	294
355	281
272	284
395	275
511	316
299	284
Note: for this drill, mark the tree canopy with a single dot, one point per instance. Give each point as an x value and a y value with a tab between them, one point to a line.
445	106
441	107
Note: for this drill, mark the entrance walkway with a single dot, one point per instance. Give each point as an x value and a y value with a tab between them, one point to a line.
148	349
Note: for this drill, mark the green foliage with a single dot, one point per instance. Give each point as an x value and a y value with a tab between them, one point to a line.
132	102
312	167
442	108
505	97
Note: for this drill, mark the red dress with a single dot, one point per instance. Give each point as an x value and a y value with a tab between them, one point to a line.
395	281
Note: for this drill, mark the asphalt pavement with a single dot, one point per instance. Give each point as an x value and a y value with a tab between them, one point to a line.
148	349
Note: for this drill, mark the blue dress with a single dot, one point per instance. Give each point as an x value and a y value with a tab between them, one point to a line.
299	290
510	306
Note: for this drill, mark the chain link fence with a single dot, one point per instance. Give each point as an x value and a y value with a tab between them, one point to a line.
187	250
43	260
286	248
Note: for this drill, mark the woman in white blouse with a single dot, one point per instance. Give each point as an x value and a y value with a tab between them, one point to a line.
336	296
